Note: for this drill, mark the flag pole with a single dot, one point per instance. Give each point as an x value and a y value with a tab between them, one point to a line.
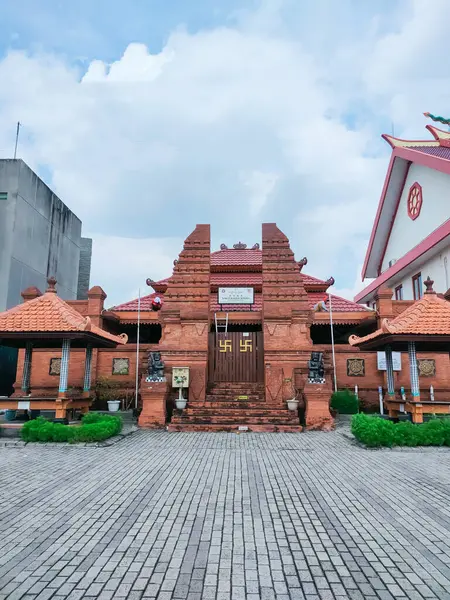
137	351
332	342
17	139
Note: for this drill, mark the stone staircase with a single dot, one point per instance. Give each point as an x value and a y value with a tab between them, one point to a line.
231	406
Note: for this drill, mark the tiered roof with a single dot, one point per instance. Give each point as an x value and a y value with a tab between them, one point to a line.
429	317
49	315
241	267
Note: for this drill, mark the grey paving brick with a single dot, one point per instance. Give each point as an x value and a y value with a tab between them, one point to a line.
224	517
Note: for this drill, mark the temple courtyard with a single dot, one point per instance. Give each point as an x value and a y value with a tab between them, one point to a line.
222	516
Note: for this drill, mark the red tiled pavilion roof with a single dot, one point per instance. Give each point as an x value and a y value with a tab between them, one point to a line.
429	316
49	313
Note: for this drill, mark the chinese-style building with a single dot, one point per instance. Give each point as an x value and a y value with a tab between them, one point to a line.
410	238
245	320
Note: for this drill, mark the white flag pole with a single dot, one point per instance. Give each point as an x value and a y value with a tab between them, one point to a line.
137	351
332	342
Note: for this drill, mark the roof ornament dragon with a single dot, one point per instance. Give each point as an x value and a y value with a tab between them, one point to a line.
438	119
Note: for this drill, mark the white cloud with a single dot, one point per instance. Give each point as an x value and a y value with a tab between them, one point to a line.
260	185
233	126
122	265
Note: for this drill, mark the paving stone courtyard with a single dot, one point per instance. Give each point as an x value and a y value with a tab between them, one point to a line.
220	516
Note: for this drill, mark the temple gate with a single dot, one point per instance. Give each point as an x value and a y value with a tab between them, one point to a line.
236	356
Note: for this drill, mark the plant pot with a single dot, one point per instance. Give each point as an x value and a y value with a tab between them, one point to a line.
292	404
10	414
180	404
113	405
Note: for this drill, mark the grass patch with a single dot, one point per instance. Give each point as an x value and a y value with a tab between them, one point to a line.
376	433
94	428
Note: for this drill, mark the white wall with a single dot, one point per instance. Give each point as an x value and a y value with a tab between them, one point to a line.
407	233
435	267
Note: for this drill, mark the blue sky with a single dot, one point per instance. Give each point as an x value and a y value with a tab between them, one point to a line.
149	116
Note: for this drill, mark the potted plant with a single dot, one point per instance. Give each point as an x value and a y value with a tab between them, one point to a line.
109	392
180	402
292	403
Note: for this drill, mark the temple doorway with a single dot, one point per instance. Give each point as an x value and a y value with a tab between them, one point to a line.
236	356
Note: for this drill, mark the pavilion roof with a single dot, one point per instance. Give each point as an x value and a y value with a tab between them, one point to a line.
429	316
50	314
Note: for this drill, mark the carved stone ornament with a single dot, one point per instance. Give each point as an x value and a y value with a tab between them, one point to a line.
55	366
155	370
239	246
223	247
356	367
316	369
301	263
427	367
121	366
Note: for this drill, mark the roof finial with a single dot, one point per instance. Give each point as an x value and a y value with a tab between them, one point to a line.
429	285
239	246
51	285
301	263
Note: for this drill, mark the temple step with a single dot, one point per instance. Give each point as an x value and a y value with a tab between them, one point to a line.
267	428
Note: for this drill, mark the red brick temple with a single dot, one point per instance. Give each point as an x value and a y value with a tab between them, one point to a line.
246	359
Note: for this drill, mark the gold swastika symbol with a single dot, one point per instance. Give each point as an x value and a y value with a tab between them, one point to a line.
225	346
246	346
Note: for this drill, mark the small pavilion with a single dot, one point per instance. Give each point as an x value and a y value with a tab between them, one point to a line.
423	326
47	321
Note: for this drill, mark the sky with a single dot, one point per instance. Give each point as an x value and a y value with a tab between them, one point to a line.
150	116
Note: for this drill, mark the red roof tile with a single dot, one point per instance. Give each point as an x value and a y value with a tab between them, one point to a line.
132	305
338	304
50	314
231	257
428	316
438	151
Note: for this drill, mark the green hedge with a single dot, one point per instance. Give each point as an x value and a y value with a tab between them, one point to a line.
375	432
94	428
345	402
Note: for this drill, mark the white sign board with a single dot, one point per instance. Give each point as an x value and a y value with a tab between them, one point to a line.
23	405
236	295
396	360
180	377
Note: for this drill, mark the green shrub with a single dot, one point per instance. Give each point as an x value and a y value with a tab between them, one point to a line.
375	432
345	402
94	428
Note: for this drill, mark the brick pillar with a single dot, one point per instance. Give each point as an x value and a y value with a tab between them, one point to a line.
96	303
384	305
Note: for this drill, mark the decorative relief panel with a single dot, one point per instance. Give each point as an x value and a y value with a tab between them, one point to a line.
427	367
55	366
121	366
356	367
415	200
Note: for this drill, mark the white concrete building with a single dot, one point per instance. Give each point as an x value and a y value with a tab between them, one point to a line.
410	238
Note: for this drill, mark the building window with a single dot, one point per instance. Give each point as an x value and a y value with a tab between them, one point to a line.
3	196
399	292
415	200
417	286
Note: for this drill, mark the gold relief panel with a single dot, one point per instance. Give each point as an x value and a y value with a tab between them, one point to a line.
427	367
356	367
